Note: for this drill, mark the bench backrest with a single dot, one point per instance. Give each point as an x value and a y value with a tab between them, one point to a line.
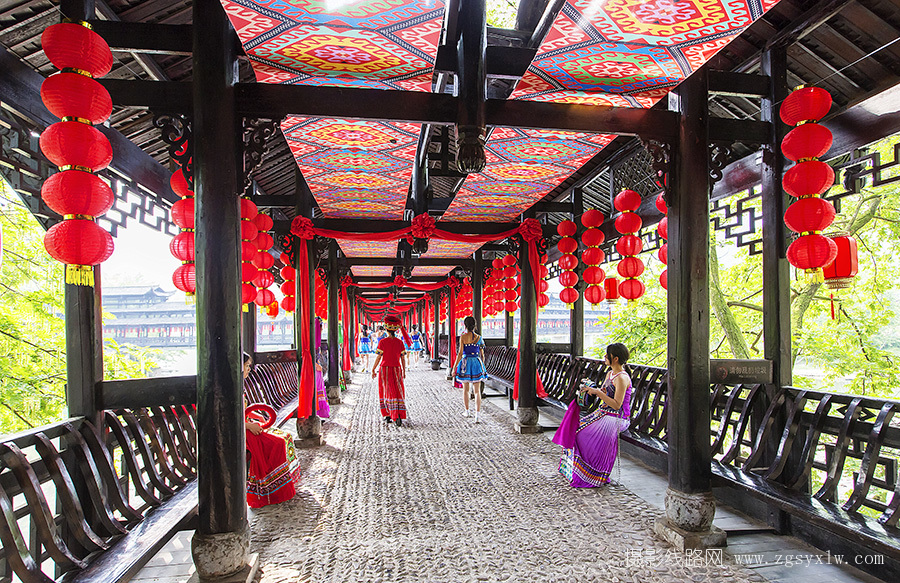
843	449
273	383
67	492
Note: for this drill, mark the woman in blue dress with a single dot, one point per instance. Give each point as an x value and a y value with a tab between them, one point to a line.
416	347
365	348
469	366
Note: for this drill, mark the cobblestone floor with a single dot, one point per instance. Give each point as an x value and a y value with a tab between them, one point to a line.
442	499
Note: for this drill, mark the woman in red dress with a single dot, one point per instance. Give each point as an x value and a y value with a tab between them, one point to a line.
273	472
391	392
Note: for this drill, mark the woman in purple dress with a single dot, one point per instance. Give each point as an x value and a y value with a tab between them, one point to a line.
591	442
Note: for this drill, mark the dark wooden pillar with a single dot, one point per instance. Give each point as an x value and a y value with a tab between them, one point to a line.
576	322
352	317
527	412
471	82
335	350
222	538
690	507
478	291
436	299
509	329
309	430
248	330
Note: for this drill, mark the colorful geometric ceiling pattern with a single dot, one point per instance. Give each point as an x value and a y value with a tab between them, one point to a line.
354	169
431	270
630	53
368	248
372	270
522	167
376	44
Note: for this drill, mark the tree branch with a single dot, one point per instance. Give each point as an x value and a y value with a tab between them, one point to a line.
22	419
745	305
41	348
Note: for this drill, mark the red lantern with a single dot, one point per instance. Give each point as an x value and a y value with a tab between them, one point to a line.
543	300
805	104
183	213
631	289
568	262
72	143
509	260
661	204
664	279
72	95
627	200
809	214
263	279
631	267
629	245
810	177
567	228
840	272
78	242
289	303
543	286
248	293
594	294
611	286
264	297
592	218
812	252
287	288
511	295
263	260
74	46
511	306
287	272
593	256
497	263
185	278
249	231
248	272
544	271
663	228
264	241
809	140
664	254
73	192
593	238
272	309
248	210
593	276
566	245
628	222
263	222
182	246
179	184
568	279
568	295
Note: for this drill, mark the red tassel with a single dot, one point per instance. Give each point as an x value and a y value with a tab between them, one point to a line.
832	305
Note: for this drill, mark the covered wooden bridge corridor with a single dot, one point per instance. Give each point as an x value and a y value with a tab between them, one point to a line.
394	158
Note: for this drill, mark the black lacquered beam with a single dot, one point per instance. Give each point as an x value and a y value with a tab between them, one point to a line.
731	83
154	392
747	131
141	37
415	262
168	96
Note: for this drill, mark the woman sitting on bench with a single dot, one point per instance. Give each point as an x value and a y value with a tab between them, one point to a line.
591	442
273	471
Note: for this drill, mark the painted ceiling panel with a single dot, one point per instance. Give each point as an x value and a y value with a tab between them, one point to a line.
438	248
522	167
431	270
354	169
380	44
368	248
631	52
372	270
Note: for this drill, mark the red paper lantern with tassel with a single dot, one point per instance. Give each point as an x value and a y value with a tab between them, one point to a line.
629	245
664	248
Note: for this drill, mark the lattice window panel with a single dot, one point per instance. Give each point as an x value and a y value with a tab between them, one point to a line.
740	218
635	172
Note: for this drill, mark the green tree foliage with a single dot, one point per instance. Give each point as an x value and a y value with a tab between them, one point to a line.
32	329
501	13
858	351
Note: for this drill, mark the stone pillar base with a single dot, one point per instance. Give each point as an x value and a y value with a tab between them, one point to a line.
220	555
309	432
684	540
528	420
348	376
245	575
334	395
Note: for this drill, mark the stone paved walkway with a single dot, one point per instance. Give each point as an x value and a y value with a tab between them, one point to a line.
445	500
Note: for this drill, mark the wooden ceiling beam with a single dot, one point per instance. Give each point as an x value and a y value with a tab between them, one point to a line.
141	37
464	262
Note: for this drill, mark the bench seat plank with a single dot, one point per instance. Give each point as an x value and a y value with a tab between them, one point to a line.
130	553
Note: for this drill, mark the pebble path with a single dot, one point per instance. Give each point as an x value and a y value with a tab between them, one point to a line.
443	499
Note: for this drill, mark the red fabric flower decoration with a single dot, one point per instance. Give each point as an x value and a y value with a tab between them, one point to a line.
423	226
454	282
400	281
302	228
346	281
531	230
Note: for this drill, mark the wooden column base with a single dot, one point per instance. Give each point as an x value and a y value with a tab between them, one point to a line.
245	575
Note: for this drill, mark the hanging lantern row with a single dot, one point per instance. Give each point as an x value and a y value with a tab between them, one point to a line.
807	180
263	261
182	245
593	256
249	231
77	148
629	244
289	287
490	301
444	306
568	262
511	280
611	287
321	294
464	298
663	229
543	285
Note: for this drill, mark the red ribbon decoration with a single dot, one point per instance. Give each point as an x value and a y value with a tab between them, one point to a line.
531	233
307	376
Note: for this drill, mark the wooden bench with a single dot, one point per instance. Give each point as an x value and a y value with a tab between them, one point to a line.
766	448
78	506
